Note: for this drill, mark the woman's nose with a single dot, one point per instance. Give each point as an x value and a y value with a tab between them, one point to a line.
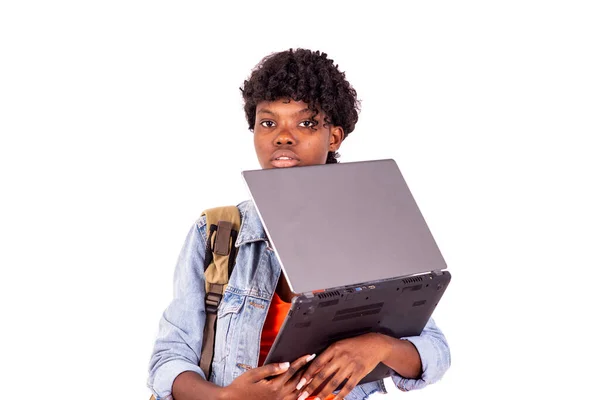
285	137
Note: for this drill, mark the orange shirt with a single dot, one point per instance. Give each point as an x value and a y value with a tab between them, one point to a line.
275	317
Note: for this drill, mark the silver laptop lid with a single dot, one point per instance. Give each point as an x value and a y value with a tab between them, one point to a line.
342	224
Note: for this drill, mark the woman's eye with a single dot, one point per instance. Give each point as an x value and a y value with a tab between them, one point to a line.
307	124
267	124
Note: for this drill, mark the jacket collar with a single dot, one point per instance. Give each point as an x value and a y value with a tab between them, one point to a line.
252	229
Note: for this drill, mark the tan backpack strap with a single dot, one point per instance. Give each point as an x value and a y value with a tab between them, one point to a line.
223	225
213	298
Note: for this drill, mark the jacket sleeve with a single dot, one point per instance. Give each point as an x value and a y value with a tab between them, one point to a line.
179	341
435	358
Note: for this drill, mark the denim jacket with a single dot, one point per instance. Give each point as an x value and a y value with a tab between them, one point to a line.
241	316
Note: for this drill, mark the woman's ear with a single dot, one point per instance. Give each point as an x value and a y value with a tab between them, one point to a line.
336	136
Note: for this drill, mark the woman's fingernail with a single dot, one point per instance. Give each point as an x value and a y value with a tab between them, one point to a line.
303	396
284	365
309	359
301	383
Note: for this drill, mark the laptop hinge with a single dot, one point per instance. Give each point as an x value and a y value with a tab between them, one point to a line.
437	272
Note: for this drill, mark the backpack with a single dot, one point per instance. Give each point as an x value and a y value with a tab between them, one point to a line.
222	227
222	223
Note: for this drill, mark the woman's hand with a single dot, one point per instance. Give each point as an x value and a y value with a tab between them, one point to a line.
254	384
350	359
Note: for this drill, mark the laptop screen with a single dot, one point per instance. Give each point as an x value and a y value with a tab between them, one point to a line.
343	224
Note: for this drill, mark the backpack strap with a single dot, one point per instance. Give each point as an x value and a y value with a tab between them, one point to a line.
222	227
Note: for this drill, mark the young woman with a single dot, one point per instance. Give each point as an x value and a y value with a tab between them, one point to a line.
300	108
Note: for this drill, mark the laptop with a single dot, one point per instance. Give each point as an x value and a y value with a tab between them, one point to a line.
354	247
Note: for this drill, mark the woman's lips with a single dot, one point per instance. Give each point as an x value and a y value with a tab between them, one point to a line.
284	162
284	159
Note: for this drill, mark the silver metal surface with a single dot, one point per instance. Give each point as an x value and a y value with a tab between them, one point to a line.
341	224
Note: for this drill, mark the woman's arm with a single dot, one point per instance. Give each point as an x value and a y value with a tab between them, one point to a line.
434	354
191	386
401	356
179	341
417	361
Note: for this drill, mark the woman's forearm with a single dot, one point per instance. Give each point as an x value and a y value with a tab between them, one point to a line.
402	356
191	386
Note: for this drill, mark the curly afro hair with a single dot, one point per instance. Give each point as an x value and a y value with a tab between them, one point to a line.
308	76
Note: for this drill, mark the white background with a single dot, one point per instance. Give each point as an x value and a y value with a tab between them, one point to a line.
121	120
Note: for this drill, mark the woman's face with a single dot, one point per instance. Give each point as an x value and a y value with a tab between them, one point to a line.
285	135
